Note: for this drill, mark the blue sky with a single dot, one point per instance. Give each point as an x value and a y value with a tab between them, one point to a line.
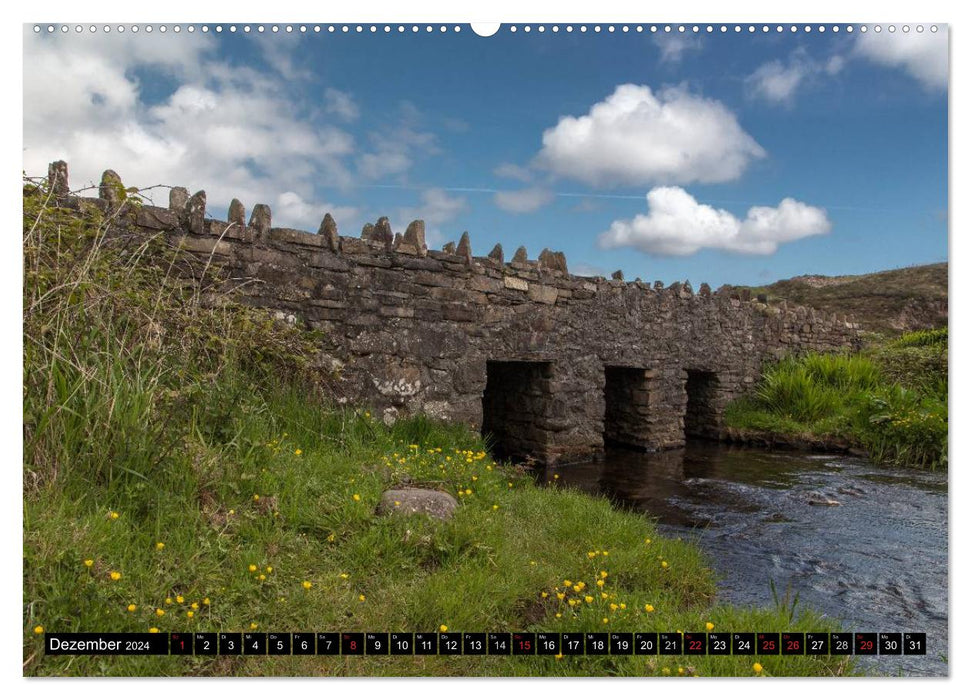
739	158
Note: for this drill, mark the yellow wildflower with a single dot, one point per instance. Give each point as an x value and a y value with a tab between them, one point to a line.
205	601
262	577
253	625
606	620
194	606
115	575
39	629
168	601
649	608
709	626
179	599
153	630
544	594
159	612
757	667
132	607
588	598
495	507
298	452
189	614
561	596
443	628
307	585
252	568
113	515
357	497
160	546
269	569
89	563
361	598
664	565
256	496
344	576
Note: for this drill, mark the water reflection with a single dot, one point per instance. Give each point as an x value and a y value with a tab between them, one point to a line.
863	544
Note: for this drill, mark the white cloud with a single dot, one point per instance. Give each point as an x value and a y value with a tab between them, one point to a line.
511	171
677	224
523	201
636	137
436	208
778	81
341	104
229	129
394	149
923	55
673	46
308	215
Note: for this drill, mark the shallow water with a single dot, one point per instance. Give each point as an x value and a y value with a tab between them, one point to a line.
877	561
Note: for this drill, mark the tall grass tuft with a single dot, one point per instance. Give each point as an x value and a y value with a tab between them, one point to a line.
890	400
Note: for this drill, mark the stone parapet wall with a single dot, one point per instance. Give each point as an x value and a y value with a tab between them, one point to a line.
414	330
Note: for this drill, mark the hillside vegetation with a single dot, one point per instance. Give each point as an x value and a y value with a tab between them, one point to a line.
886	303
890	399
183	471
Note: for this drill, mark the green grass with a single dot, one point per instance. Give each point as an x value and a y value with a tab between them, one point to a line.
890	399
185	447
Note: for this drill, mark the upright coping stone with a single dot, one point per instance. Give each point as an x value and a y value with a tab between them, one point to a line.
111	189
237	213
464	249
178	198
415	235
261	219
617	275
554	261
195	212
57	178
382	232
496	254
520	255
328	229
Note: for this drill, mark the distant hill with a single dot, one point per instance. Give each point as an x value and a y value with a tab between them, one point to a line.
888	302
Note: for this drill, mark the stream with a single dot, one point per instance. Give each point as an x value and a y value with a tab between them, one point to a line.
876	562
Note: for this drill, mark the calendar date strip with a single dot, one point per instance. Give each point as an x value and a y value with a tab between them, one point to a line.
487	643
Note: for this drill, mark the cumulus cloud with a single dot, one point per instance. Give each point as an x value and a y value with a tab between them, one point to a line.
673	46
922	55
778	81
341	104
523	201
230	129
637	136
677	224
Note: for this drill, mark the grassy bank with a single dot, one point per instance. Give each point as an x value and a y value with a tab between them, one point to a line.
183	472
890	400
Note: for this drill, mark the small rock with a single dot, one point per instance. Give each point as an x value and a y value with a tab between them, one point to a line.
413	500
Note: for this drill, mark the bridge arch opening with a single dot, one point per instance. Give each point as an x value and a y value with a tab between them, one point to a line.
516	406
702	415
627	411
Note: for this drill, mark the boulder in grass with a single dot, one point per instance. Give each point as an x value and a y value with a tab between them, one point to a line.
413	500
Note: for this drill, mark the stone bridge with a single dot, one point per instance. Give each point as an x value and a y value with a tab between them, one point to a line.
550	365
